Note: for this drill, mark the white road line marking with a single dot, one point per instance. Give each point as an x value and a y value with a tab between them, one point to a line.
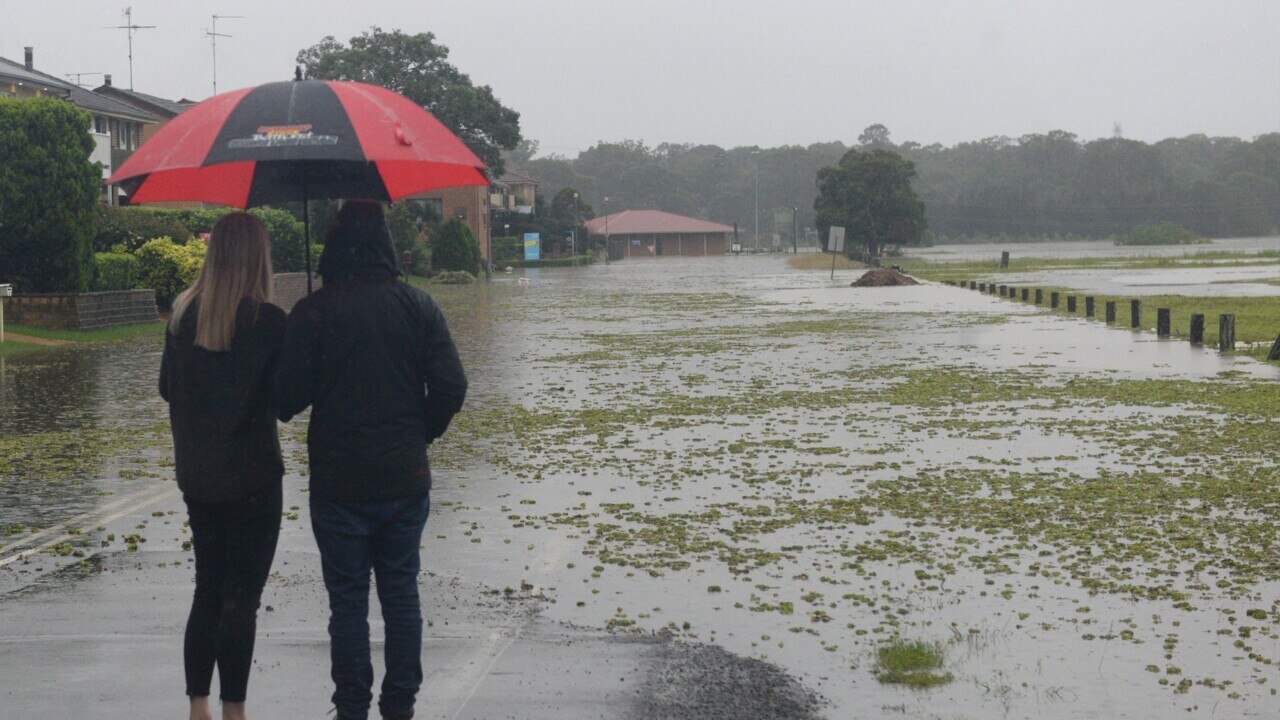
77	519
494	648
165	492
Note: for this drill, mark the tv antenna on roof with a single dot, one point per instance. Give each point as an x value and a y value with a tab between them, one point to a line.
130	27
213	34
78	76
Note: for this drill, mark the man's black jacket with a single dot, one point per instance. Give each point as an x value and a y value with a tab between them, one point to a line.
373	358
222	406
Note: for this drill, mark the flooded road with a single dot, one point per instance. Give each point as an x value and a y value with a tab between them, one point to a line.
1083	519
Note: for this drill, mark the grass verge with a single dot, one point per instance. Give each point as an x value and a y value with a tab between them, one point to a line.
913	663
1257	318
945	270
120	332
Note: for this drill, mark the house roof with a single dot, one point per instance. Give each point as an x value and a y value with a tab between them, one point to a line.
515	177
76	95
149	103
639	222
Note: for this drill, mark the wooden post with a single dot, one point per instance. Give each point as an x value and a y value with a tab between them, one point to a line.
1025	294
1039	296
1053	300
1197	329
973	284
1135	313
1111	311
1088	306
982	287
1071	303
1004	259
1226	332
1163	323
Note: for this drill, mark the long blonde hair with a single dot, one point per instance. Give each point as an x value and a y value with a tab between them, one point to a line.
237	265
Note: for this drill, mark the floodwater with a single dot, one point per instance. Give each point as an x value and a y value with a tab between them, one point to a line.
756	457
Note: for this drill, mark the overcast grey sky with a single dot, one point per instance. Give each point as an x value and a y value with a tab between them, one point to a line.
740	72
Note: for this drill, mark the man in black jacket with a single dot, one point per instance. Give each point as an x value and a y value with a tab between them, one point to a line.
373	358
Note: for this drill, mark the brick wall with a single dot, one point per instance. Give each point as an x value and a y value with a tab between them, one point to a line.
81	311
289	288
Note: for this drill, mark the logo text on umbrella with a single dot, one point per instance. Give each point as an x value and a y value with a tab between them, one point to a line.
283	136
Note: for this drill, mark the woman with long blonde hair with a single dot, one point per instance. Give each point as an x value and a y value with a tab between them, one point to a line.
220	356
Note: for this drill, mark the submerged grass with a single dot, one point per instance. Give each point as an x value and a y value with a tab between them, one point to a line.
1257	317
822	261
946	270
913	663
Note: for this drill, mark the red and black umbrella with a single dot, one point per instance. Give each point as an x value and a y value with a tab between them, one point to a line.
298	141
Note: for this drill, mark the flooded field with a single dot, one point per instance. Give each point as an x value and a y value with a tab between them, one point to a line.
1092	249
1082	521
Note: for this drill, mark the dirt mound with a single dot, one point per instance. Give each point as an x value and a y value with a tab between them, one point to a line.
883	277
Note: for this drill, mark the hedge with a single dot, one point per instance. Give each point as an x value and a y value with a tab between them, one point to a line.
557	262
115	271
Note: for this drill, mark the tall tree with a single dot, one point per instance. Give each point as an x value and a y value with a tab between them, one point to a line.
417	67
48	192
870	195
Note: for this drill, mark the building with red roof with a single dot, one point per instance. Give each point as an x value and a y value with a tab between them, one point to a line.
654	233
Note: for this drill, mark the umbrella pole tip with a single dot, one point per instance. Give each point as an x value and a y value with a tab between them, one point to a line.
297	73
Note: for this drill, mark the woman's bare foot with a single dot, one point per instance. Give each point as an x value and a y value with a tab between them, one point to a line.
200	708
233	711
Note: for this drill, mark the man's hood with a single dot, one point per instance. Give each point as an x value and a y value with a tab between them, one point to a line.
359	243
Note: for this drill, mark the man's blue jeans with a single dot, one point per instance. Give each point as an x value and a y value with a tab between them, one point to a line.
383	536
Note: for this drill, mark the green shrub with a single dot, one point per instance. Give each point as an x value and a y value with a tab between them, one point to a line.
1163	234
168	267
48	192
125	229
454	248
115	271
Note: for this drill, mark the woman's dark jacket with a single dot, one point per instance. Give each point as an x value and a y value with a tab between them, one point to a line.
374	359
222	406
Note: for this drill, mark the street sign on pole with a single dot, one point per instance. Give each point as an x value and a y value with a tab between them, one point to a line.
835	244
5	291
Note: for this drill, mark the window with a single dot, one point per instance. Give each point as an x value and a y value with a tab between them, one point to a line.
100	124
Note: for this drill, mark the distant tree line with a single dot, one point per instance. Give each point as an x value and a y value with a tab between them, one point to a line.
1040	185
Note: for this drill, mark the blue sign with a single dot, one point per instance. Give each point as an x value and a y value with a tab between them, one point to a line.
532	246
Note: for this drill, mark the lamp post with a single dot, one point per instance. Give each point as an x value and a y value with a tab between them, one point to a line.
606	231
577	222
755	242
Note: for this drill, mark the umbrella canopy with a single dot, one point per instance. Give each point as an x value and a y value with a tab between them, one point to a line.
300	140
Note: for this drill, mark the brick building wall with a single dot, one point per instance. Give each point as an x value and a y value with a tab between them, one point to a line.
469	204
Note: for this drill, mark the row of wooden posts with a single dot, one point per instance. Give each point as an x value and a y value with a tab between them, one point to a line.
1226	321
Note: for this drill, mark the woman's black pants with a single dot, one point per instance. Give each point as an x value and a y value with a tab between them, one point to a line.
234	543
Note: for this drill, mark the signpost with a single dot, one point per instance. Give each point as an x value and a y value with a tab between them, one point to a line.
835	244
5	291
532	246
